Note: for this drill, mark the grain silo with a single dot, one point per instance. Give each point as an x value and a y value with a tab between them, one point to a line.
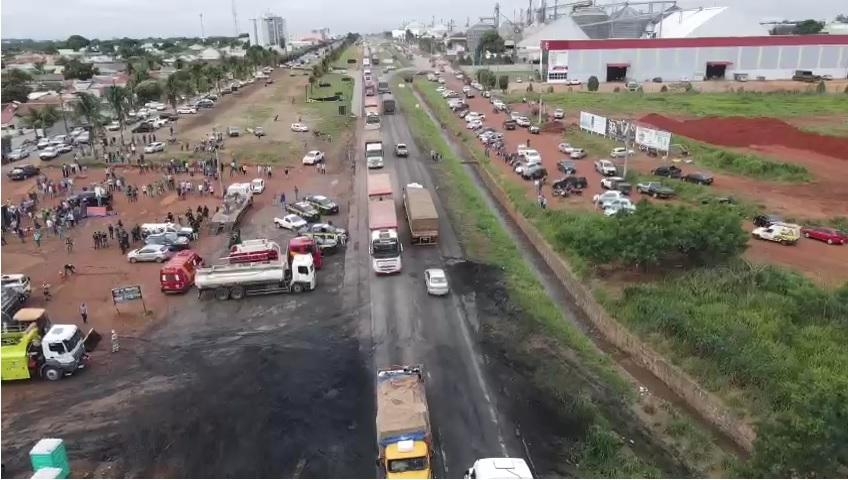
594	21
628	23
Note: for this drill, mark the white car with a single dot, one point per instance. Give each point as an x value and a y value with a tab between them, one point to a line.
474	125
522	121
436	281
620	152
150	253
113	127
620	205
299	127
257	185
604	199
48	153
187	109
43	142
475	116
605	167
559	114
565	148
312	157
573	81
19	154
608	183
154	147
577	154
159	122
466	89
442	81
290	222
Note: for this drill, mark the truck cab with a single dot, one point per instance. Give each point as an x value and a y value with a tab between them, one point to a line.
307	246
32	346
385	252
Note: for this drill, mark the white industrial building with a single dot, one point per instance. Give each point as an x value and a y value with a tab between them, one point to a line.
675	44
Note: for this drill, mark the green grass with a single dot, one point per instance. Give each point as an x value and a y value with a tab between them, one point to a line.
767	340
745	164
837	130
600	453
256	115
525	74
326	114
352	52
778	105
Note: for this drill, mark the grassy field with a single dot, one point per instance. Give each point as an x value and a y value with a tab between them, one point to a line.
838	129
602	455
629	104
768	341
514	74
325	115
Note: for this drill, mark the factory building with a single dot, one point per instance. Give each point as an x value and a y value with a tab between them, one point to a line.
675	59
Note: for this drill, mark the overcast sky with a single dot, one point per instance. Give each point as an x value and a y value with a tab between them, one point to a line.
57	19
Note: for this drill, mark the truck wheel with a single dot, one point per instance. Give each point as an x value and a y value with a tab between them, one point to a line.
297	288
222	293
51	373
237	292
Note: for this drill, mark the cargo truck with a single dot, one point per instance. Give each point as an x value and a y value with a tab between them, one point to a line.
33	347
283	274
421	215
384	242
388	102
404	439
383	86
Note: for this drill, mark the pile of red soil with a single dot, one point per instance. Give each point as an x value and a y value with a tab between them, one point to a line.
553	127
745	132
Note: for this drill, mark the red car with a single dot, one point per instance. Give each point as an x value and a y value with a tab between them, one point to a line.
827	235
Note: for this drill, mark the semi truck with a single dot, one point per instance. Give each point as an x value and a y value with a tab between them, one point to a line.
384	242
34	347
421	214
373	144
404	439
284	274
370	89
388	102
383	86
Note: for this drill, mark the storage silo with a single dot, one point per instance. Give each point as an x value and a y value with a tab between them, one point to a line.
474	35
594	21
628	23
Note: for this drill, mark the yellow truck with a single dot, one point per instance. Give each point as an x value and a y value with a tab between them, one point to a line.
32	346
403	424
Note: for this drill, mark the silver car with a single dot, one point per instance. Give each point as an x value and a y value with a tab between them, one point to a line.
436	281
150	253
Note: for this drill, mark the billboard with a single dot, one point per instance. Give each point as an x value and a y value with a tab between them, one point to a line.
620	129
656	139
593	123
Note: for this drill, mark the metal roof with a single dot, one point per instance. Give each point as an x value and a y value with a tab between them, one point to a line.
709	22
564	28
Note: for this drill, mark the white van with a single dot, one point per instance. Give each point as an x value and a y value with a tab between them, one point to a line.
499	468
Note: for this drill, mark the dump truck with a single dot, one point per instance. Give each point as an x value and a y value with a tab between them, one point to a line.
34	347
282	274
404	439
421	214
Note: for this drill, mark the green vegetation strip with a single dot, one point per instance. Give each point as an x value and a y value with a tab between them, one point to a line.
767	340
602	452
327	113
777	105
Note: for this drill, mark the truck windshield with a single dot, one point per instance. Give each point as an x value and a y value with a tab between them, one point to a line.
386	249
71	343
407	465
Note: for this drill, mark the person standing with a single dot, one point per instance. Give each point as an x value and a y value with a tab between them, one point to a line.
84	312
111	232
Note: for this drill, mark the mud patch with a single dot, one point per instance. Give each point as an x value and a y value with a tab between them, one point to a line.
556	401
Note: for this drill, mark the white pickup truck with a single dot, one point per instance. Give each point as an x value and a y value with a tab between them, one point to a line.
605	167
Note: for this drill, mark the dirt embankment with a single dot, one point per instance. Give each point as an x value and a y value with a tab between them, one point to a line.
745	132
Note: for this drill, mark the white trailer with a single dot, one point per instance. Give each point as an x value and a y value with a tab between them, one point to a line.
238	280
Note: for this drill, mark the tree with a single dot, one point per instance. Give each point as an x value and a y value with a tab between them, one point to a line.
148	90
503	82
487	78
14	85
408	36
118	98
41	119
821	87
77	42
842	18
491	41
593	84
75	69
88	109
808	27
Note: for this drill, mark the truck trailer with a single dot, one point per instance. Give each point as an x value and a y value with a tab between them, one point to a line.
404	439
421	214
379	186
388	102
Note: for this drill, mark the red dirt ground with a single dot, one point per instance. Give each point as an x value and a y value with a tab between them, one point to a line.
824	198
745	132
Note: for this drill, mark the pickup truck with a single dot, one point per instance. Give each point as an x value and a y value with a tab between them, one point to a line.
605	167
654	189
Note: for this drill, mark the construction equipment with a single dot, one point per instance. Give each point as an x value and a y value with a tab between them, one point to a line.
33	346
404	438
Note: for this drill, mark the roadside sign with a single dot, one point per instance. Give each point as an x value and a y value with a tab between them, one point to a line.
127	294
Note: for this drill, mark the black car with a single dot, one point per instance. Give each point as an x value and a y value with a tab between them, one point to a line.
22	172
534	172
668	171
766	220
89	199
567	167
322	203
571	182
144	127
304	210
510	125
699	178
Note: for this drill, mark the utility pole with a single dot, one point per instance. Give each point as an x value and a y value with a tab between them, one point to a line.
202	32
235	19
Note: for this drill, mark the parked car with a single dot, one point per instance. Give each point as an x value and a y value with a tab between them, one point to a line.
259	132
172	240
567	167
312	157
18	154
620	152
316	228
150	253
534	172
299	127
782	233
669	171
764	220
605	167
610	183
322	203
22	172
43	143
144	127
699	178
187	110
436	281
48	153
559	114
522	121
304	210
565	148
621	205
655	189
510	124
577	154
571	182
603	199
401	150
290	222
830	236
534	129
154	147
233	131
